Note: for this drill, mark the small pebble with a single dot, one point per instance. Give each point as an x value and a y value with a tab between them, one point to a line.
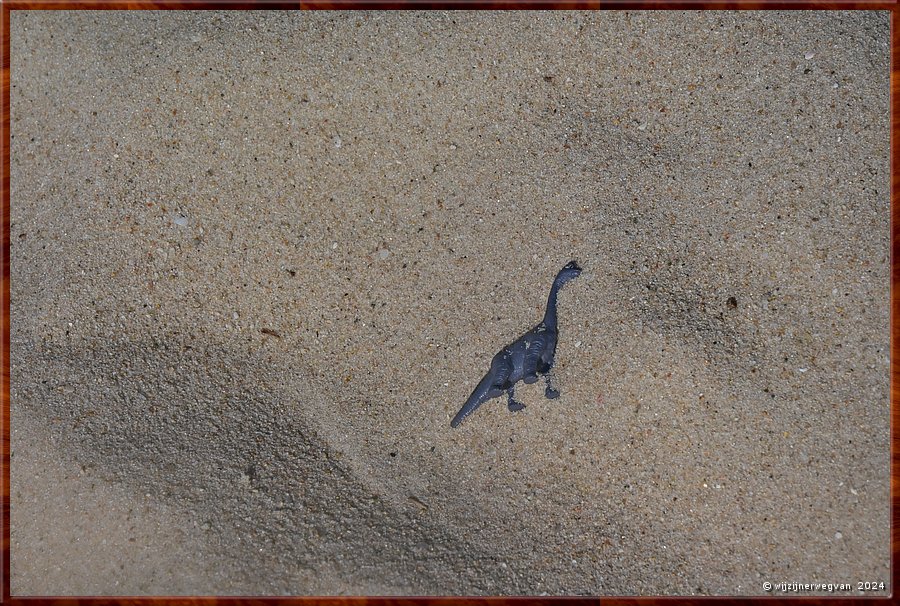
838	536
809	55
180	220
337	142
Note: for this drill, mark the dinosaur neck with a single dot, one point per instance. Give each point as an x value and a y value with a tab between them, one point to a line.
550	313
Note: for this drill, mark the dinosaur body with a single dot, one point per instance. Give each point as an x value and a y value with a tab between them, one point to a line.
524	359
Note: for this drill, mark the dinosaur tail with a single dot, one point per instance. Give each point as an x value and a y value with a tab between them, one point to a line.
569	272
479	396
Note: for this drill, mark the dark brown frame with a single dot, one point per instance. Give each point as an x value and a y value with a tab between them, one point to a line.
890	5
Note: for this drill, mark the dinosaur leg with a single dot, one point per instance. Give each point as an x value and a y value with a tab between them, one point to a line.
512	404
550	392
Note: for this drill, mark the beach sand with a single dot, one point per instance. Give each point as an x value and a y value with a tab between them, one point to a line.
259	261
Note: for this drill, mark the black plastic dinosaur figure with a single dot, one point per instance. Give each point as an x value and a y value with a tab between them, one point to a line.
524	359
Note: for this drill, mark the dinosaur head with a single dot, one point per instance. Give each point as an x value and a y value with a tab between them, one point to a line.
573	265
571	270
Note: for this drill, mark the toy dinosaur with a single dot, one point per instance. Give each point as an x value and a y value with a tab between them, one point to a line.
524	359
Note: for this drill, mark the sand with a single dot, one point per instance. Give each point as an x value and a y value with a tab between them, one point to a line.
260	260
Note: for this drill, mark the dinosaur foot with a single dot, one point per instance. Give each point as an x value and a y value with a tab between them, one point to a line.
511	402
550	393
514	406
